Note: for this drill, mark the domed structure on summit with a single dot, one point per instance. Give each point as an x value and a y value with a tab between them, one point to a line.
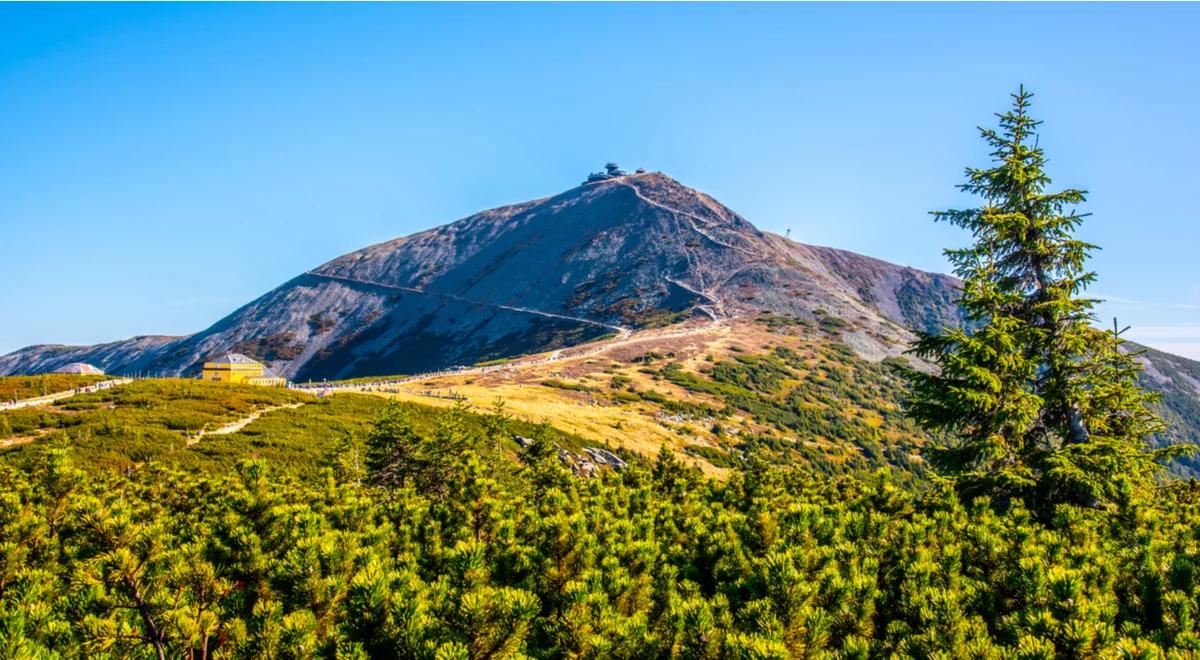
611	171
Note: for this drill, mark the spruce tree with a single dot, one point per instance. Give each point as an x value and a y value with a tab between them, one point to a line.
391	455
1038	404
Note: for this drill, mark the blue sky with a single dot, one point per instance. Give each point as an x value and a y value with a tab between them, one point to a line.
161	165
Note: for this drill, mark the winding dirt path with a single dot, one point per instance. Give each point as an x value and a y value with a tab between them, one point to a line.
714	308
692	218
15	440
572	353
65	394
457	298
238	425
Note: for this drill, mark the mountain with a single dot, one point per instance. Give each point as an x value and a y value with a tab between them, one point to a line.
614	255
1177	379
621	253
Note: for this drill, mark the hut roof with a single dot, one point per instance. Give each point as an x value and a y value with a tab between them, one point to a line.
232	358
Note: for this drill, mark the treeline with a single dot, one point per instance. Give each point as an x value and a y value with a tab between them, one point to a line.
406	549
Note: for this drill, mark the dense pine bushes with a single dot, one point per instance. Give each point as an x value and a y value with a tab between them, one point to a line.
486	556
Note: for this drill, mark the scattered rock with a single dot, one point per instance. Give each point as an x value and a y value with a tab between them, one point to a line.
591	462
606	457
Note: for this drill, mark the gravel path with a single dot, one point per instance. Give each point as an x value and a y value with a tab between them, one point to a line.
238	425
450	296
573	353
59	396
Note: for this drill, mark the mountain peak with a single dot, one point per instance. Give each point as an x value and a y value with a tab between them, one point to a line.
611	171
619	252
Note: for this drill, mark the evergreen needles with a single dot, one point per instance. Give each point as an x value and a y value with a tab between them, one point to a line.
1038	404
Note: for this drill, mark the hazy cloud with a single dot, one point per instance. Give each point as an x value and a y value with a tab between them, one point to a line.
1178	339
1118	300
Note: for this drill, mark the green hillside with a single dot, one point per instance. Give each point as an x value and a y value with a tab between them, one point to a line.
1178	380
124	532
488	555
158	422
15	388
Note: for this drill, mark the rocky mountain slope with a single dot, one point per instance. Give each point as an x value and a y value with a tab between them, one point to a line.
622	253
1178	380
607	257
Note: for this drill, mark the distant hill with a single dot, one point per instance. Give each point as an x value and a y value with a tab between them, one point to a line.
1178	380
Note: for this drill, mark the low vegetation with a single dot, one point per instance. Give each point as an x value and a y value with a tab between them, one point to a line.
473	554
156	422
15	388
564	385
320	323
143	421
278	346
819	403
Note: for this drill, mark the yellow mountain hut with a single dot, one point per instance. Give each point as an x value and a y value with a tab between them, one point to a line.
237	368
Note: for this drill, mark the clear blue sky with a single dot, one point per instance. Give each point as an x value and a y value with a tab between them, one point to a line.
161	165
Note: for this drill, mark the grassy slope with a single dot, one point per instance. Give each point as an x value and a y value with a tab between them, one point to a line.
774	387
785	388
788	391
28	387
143	421
151	421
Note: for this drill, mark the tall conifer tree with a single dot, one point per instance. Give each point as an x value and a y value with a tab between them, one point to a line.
1039	404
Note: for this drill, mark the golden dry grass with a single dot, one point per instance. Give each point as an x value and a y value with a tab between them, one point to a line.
640	427
604	392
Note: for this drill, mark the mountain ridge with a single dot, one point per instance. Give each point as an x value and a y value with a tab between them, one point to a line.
622	253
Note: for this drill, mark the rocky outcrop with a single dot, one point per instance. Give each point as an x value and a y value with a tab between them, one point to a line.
591	461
